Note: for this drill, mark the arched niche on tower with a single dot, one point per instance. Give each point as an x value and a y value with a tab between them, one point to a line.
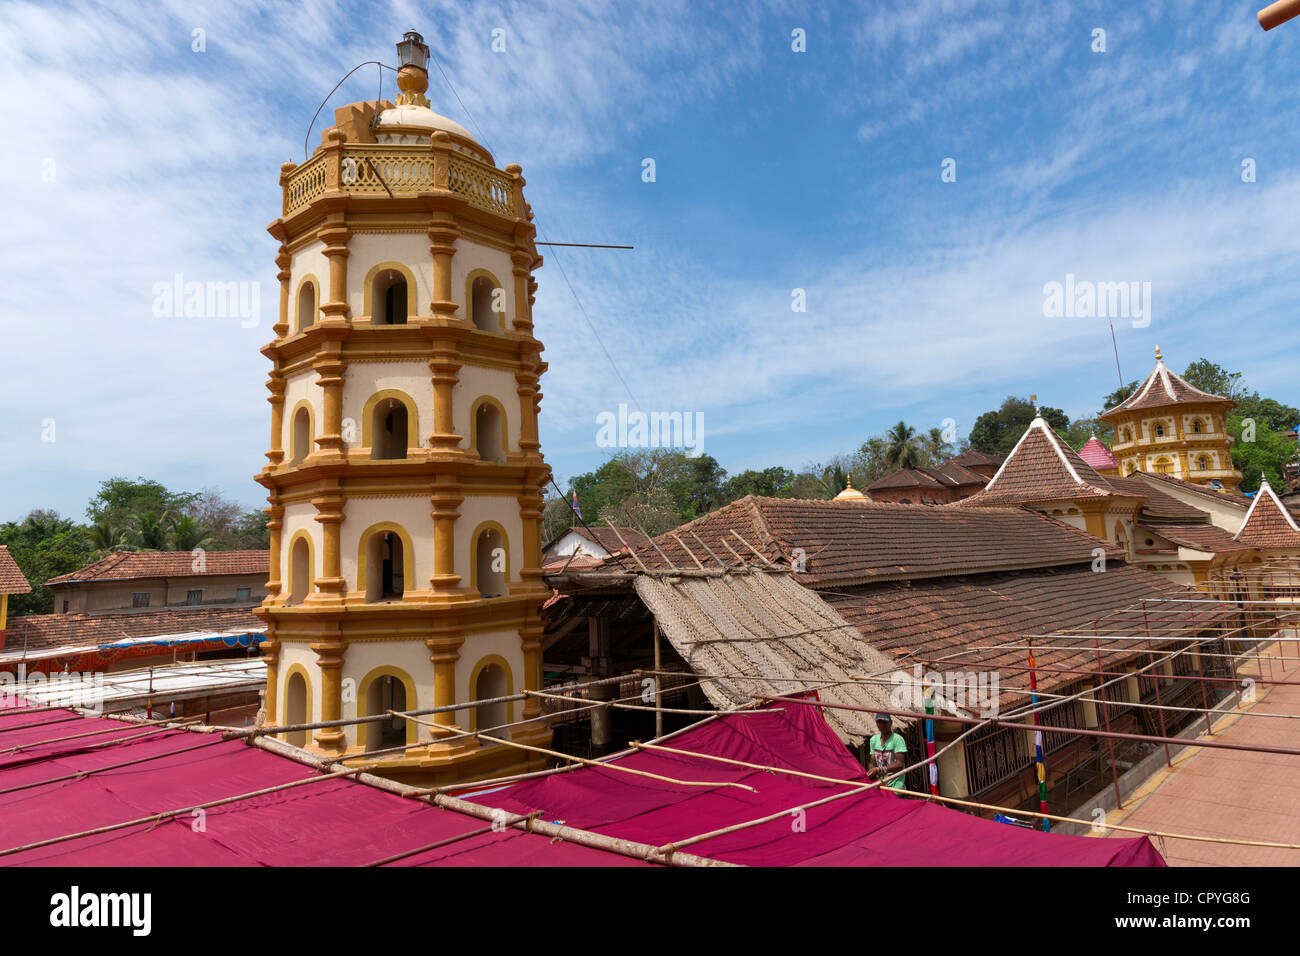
302	431
306	303
382	689
488	429
492	678
302	567
489	568
390	425
385	562
390	296
483	291
297	703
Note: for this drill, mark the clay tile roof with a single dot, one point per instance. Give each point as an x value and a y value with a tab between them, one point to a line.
864	541
35	632
607	539
1097	454
1042	467
964	618
132	565
905	478
972	457
948	474
952	473
1232	496
1158	503
1163	387
1268	523
1200	537
12	580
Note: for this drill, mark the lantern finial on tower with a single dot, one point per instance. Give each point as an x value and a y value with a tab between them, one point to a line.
412	75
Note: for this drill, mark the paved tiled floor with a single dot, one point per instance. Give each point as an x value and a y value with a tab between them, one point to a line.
1232	793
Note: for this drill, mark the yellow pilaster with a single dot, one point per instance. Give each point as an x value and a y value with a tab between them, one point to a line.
274	525
275	384
270	650
444	366
444	652
329	657
446	501
329	513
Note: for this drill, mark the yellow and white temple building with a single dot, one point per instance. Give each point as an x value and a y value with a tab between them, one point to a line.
1169	427
405	474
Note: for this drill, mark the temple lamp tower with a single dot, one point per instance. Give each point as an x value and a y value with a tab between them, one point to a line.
405	474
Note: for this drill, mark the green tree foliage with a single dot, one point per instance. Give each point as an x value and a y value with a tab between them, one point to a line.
1258	452
1266	413
1117	396
996	432
1213	378
251	532
121	500
44	546
1081	429
774	482
126	514
1266	456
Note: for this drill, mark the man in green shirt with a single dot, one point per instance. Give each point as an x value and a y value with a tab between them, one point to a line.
887	750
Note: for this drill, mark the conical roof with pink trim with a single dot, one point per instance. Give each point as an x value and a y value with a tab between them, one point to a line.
1097	454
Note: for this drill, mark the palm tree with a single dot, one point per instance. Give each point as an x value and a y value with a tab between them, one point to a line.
936	447
104	535
151	530
187	534
902	450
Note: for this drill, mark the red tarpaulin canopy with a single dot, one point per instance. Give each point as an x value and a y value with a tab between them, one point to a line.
344	823
874	828
335	823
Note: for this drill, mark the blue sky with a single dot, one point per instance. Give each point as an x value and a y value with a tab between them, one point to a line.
132	158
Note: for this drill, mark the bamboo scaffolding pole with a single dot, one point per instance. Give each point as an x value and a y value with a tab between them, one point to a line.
968	803
599	841
688	551
159	725
655	544
463	705
583	705
166	815
1082	732
594	763
739	560
41	723
81	774
570	768
625	706
700	541
761	556
493	827
659	697
627	546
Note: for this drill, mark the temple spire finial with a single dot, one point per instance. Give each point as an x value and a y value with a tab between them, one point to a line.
1158	358
413	76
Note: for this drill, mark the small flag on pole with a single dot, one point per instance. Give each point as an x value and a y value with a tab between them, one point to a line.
577	509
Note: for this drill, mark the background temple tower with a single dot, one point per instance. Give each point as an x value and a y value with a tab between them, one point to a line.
1169	427
405	474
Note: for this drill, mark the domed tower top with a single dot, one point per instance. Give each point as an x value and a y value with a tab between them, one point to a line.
410	119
